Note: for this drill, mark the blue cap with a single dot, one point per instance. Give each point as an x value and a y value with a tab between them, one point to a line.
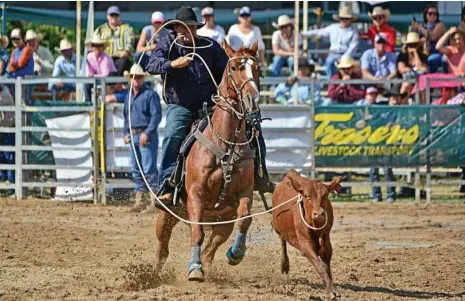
245	11
113	10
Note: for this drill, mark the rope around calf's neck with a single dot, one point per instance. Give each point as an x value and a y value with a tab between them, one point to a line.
137	159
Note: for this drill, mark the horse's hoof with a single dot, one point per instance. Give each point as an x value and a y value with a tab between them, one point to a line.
196	275
234	259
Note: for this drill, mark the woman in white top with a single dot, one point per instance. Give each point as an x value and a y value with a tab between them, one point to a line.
282	42
245	33
210	29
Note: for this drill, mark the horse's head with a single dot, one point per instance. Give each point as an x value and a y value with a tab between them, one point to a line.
242	76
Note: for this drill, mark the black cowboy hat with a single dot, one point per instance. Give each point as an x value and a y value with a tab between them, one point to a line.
303	62
187	15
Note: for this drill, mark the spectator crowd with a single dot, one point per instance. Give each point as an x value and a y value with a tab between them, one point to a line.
429	51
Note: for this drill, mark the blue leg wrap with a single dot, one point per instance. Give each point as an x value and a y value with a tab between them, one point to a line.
195	262
236	253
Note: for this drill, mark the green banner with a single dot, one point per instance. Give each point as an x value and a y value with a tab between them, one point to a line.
396	136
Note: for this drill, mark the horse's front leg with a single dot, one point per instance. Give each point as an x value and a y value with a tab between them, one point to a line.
236	253
195	207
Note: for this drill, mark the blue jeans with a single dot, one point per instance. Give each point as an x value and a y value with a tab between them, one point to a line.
279	62
435	60
148	160
330	67
7	139
178	125
389	177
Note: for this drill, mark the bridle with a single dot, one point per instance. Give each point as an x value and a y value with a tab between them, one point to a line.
244	60
242	114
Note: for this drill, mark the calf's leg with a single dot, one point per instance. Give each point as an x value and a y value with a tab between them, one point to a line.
284	258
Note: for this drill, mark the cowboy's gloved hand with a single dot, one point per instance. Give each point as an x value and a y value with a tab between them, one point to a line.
181	62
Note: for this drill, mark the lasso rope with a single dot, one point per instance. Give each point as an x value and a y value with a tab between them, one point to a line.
134	147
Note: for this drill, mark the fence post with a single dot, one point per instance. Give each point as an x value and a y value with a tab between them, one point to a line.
312	130
18	141
417	168
96	152
103	178
428	140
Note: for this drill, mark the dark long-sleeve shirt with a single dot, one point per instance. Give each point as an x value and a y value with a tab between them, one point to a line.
145	111
348	93
189	86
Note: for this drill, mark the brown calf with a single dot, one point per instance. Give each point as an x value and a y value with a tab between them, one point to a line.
306	225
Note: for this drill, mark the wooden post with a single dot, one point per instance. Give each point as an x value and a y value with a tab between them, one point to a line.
78	47
296	48
305	27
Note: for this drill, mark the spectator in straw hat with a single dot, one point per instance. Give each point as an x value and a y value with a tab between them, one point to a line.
146	36
343	38
99	64
4	55
43	58
380	17
21	59
211	29
65	65
345	93
282	43
145	118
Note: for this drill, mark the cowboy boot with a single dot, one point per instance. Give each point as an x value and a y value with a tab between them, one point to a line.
139	202
263	183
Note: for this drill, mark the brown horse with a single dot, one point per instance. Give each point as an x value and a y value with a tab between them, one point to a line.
238	97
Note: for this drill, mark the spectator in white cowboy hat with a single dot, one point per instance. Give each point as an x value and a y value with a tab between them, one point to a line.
65	65
244	33
411	63
22	56
343	38
43	58
146	35
380	17
4	55
345	93
283	46
120	39
99	64
377	63
145	118
210	29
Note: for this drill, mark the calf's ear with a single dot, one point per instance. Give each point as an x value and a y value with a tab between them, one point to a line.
335	184
296	180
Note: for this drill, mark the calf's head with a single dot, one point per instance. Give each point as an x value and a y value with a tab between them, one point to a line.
314	194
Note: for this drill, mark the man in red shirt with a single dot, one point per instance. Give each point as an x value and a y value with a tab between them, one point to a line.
380	17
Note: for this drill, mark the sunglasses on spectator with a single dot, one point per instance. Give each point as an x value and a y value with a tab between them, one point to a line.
16	39
245	16
96	45
346	19
114	15
378	18
412	45
432	13
346	68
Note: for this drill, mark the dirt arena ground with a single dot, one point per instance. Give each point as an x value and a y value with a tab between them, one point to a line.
74	251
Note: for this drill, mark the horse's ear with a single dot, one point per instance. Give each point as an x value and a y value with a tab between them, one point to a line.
296	180
254	47
227	48
335	184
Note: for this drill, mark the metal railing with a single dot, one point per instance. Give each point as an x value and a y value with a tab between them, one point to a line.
100	181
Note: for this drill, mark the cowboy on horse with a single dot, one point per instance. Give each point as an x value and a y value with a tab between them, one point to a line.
188	92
